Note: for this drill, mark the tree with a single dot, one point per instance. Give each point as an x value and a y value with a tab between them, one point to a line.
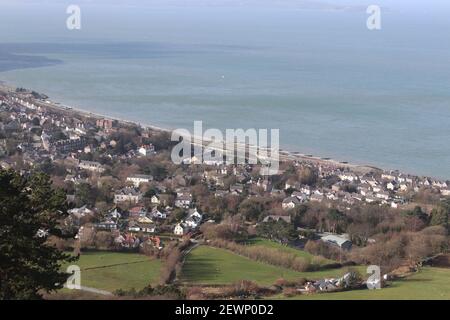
336	220
158	171
277	230
307	176
416	212
297	214
85	194
252	208
439	215
29	213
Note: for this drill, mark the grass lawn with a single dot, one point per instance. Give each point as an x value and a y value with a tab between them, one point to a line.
208	265
429	283
112	270
275	245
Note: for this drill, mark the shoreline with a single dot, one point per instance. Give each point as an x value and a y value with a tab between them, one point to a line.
285	155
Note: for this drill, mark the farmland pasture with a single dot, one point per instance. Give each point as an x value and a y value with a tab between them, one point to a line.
114	270
214	266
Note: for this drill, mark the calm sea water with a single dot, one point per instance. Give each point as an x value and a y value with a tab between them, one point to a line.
332	87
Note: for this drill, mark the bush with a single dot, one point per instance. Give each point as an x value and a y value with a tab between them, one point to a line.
166	291
290	292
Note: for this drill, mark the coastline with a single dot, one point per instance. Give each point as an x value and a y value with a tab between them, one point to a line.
285	155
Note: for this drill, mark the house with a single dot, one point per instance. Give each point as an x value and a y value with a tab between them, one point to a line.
80	212
158	214
377	188
340	241
388	176
236	189
364	191
146	150
306	190
106	124
440	184
392	185
66	146
145	220
180	230
91	166
326	285
290	203
133	226
137	179
286	219
193	219
114	214
128	194
445	192
138	211
403	187
136	226
316	197
183	201
147	227
350	177
300	196
370	181
106	225
331	196
383	195
155	199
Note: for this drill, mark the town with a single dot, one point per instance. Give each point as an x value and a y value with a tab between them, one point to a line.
126	194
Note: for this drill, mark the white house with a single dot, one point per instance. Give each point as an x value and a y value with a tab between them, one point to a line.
158	214
155	199
91	166
179	230
391	185
290	203
348	177
183	201
80	212
137	179
440	184
193	219
141	227
146	150
306	190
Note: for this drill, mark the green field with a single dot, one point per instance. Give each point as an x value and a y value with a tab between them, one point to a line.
112	270
207	265
280	247
428	283
212	266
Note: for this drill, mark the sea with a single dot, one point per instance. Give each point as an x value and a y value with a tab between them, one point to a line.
311	69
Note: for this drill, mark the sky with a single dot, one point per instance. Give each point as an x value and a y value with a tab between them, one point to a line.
420	6
299	3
